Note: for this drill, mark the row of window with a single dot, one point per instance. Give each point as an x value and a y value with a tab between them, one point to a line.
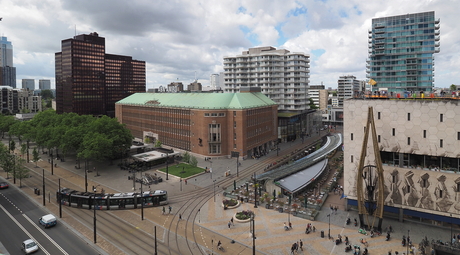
214	114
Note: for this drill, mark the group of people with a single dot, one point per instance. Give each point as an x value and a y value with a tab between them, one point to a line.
296	246
310	228
334	209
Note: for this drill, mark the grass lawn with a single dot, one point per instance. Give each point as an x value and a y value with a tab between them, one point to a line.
183	170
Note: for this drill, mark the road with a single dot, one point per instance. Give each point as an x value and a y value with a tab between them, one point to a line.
20	222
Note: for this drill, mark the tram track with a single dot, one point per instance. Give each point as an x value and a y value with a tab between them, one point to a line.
114	229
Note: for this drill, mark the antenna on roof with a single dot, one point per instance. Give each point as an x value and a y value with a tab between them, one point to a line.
75	29
195	75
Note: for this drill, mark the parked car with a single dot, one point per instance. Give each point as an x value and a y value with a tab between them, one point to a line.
3	185
29	246
48	220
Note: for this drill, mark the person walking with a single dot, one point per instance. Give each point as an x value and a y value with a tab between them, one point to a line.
170	208
231	220
164	210
297	247
229	224
180	216
301	245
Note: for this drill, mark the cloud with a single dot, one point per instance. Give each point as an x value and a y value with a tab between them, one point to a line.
180	38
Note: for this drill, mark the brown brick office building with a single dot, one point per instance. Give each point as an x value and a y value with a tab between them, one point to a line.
208	124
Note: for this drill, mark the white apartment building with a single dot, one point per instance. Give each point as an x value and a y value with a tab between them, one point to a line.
214	81
347	86
14	101
314	94
283	76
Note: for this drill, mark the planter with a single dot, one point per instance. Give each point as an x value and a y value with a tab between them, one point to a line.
241	221
232	207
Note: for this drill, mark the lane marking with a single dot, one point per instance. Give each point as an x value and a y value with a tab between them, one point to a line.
23	229
46	235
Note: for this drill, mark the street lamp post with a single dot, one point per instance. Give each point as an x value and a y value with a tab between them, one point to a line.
52	162
253	235
142	203
277	147
329	231
60	199
451	236
86	176
408	238
14	169
94	217
255	191
214	190
43	175
167	170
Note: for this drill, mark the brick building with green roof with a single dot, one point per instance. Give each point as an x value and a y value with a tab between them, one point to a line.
208	124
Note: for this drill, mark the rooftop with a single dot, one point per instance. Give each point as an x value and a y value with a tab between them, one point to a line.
199	100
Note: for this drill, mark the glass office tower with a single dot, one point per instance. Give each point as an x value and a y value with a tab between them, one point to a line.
90	81
401	52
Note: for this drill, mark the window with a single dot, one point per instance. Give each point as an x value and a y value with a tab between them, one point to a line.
214	133
378	115
440	143
234	124
408	116
424	133
378	138
441	117
206	114
394	132
352	136
234	136
408	140
351	158
234	146
234	113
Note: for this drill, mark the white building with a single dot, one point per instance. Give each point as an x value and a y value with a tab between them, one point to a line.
314	94
14	101
348	85
282	75
419	144
214	81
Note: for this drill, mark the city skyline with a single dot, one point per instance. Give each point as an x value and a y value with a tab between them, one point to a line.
181	39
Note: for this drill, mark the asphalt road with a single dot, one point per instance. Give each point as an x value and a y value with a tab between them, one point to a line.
20	222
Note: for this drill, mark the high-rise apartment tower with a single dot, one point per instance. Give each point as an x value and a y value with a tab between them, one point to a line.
7	71
401	52
282	75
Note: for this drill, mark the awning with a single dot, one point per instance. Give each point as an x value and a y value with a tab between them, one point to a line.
297	181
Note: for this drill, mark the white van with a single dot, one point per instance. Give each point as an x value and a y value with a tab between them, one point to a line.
48	220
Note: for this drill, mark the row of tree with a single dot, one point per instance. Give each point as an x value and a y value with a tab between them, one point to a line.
90	138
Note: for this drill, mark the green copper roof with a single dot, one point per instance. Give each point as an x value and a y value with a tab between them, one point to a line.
199	100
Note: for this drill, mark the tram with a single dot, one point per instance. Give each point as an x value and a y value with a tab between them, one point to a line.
103	201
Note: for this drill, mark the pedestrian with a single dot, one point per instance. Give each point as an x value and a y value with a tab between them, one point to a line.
314	229
170	208
292	249
229	224
332	208
301	244
164	210
231	220
290	225
180	216
185	181
297	246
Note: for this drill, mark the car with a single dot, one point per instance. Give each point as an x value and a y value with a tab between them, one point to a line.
29	246
48	220
3	185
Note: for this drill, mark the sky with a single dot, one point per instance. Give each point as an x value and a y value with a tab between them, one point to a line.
183	39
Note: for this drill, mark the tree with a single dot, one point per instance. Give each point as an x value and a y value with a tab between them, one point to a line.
47	94
23	149
6	159
186	157
5	123
35	156
193	161
158	144
453	87
21	171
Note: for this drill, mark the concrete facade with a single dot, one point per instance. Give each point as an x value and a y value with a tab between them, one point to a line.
419	143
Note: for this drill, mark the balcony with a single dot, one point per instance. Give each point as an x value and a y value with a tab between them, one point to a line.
437	38
437	21
379	25
437	32
379	31
437	49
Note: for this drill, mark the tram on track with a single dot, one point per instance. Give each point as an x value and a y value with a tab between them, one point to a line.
104	201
